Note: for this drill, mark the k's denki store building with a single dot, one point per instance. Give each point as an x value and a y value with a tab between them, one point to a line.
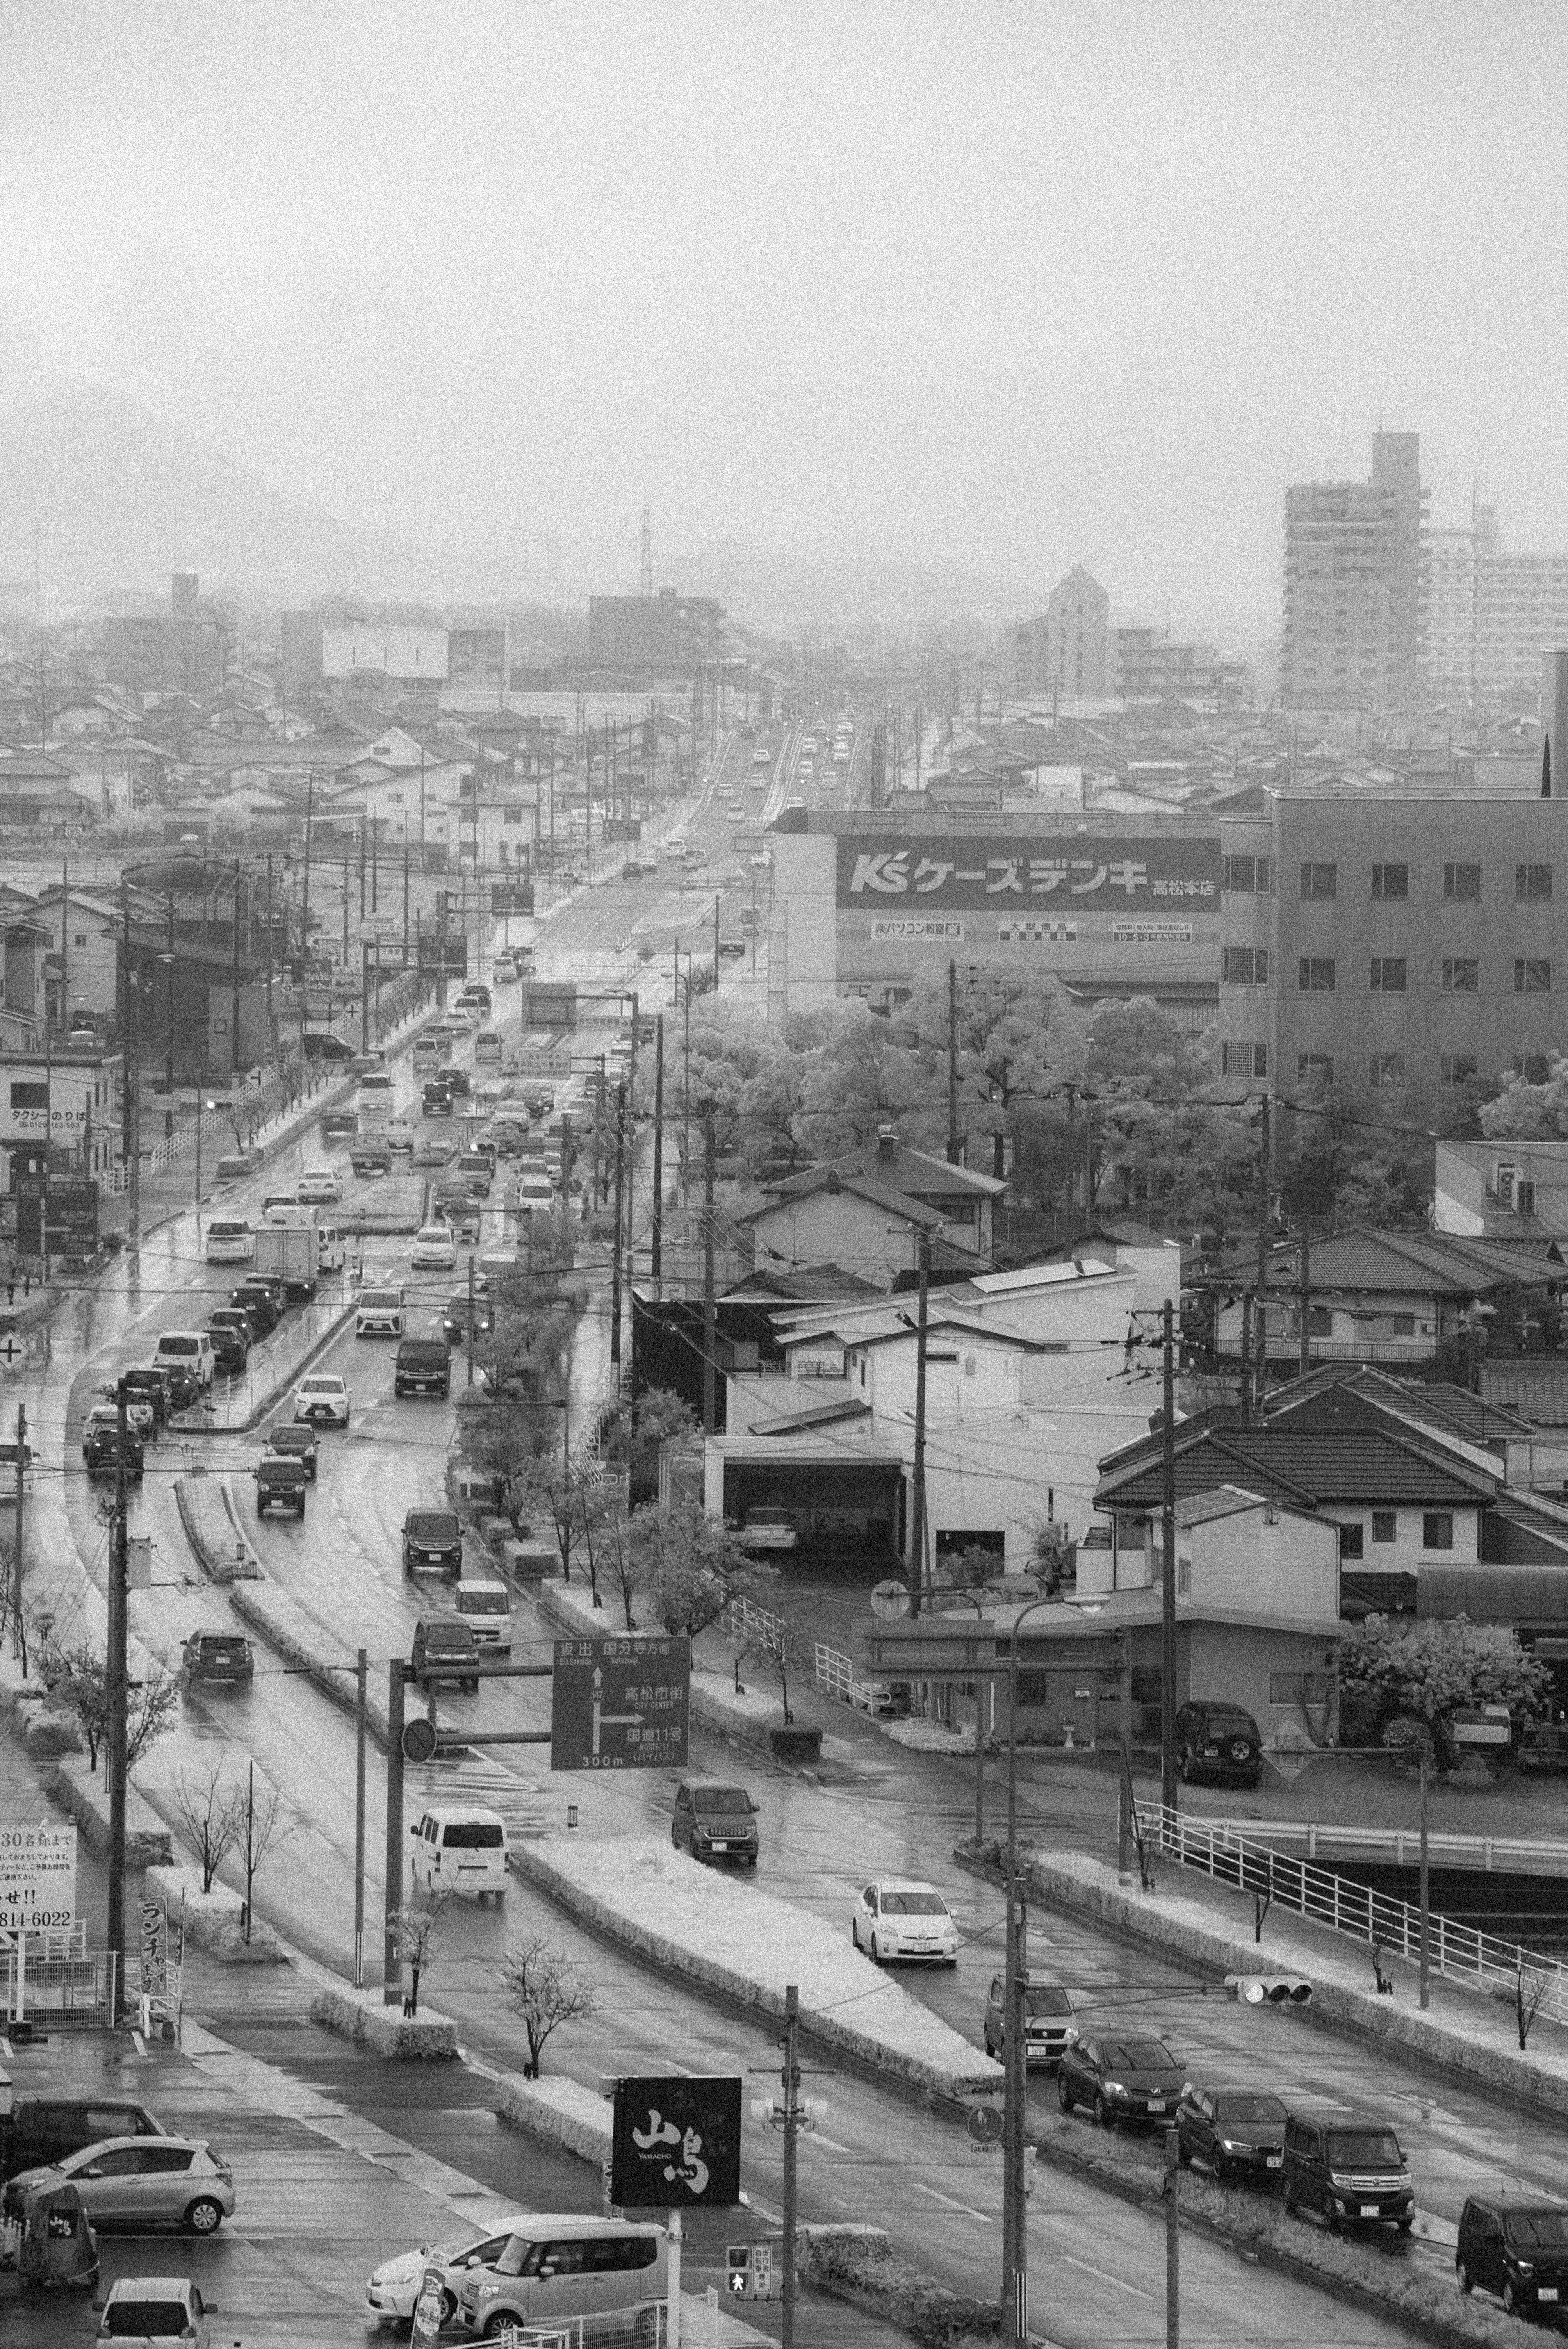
861	904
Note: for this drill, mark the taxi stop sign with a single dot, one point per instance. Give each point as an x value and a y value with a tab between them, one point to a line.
620	1704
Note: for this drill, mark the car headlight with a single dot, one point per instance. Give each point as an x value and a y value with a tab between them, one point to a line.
1404	2178
1524	2267
1115	2088
486	2290
1346	2184
1228	2145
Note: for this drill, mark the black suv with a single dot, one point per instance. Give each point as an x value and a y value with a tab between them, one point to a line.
432	1539
51	2128
261	1302
1120	2075
1350	2170
437	1100
1237	2132
710	1821
102	1451
1516	2249
1215	1740
280	1483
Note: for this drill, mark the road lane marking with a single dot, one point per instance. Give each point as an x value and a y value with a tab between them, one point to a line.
968	2209
1120	2282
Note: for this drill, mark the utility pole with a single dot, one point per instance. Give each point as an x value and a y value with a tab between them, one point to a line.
391	1985
791	2119
361	1669
615	1240
235	985
952	1064
657	1266
566	1189
1067	1185
1304	1360
168	1037
709	1314
715	905
469	1331
18	1628
1168	1535
1260	1309
918	1567
270	1048
115	1756
1173	2235
304	900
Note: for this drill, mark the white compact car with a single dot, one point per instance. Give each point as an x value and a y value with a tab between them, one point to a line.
322	1397
433	1250
905	1918
320	1182
395	2284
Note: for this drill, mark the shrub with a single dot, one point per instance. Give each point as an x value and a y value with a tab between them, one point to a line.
859	2265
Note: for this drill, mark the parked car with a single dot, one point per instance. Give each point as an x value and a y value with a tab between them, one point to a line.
155	2308
905	1918
1120	2075
536	2281
1047	2018
1350	2169
433	1248
321	1044
424	1366
1516	2247
102	1451
51	2128
443	1643
261	1302
1216	1740
769	1530
191	1347
237	1317
1235	2132
293	1442
279	1483
395	2286
322	1395
713	1822
217	1656
432	1538
166	2181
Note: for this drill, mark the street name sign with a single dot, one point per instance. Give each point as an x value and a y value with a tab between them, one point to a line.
620	1704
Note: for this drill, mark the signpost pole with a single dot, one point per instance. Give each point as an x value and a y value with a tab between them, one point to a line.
18	1628
659	1149
360	1675
791	2086
115	1756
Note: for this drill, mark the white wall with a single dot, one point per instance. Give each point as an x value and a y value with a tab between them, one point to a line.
1402	1554
839	1228
1288	1568
805	889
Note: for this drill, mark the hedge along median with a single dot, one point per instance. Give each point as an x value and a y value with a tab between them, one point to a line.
221	1550
214	1920
1477	2047
359	2014
564	2112
82	1793
300	1640
750	1946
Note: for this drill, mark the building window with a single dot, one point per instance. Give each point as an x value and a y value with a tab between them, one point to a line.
1300	1688
1456	1068
28	1096
1403	1324
1461	881
1320	880
1244	965
1034	1688
1531	976
1385	1525
1244	1060
1386	1068
1350	1540
1388	974
1531	1066
1437	1529
1532	880
1247	875
1315	1068
1390	880
1315	975
960	1212
1462	975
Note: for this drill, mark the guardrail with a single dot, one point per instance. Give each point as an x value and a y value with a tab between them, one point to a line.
270	1365
1401	1846
1376	1920
835	1673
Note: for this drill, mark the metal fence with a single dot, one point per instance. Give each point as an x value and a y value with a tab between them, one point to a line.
49	1977
835	1673
1375	1920
228	1404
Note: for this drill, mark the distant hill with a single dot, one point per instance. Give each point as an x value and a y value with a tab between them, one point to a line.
787	591
122	498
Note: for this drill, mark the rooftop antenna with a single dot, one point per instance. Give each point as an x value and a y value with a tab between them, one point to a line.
647	586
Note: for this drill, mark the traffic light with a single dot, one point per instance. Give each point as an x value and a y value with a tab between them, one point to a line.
1270	1990
737	2260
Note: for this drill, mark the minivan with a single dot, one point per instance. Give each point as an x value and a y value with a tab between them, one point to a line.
560	2273
1516	2247
49	2129
460	1850
379	1313
191	1348
487	1606
375	1091
1350	2169
488	1046
229	1240
443	1643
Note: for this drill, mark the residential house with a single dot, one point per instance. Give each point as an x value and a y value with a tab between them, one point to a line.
498	826
1502	1190
1534	1387
72	1096
81	955
35	794
870	1208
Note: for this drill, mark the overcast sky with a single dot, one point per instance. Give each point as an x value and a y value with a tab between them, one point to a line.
967	282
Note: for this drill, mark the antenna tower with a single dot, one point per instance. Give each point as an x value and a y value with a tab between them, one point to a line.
647	586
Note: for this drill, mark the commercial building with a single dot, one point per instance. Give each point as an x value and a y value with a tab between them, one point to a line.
644	631
1391	939
1352	615
186	650
1064	650
382	667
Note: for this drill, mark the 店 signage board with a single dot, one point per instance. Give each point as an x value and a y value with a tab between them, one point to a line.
37	1875
676	2143
1055	875
620	1704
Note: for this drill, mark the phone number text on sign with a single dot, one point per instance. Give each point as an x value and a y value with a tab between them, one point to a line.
37	1876
1151	934
918	930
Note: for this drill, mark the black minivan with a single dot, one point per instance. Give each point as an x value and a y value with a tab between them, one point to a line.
51	2128
1350	2169
1516	2249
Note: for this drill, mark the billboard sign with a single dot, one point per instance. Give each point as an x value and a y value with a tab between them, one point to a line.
37	1875
620	1704
1053	874
676	2143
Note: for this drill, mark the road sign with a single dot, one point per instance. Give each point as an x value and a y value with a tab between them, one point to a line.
37	1875
620	1704
12	1352
60	1218
514	898
889	1600
985	2127
420	1739
1289	1751
676	2143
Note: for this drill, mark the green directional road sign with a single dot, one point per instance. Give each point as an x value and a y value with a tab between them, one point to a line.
620	1704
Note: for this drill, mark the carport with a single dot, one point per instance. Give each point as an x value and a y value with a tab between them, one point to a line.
842	1488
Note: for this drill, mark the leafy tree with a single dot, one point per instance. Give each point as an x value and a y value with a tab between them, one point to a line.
1429	1672
1350	1160
14	1625
1519	1112
1019	1037
544	1989
770	1103
149	1708
691	1565
857	1081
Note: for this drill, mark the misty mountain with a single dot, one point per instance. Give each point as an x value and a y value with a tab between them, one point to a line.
789	591
123	498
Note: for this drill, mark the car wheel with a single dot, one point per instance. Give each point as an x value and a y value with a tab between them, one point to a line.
1509	2298
449	2307
1101	2114
204	2217
1463	2277
497	2323
1404	2225
1330	2218
646	2331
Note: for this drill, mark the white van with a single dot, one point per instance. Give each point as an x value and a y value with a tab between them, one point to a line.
186	1349
379	1313
229	1240
375	1093
459	1849
330	1253
487	1606
489	1046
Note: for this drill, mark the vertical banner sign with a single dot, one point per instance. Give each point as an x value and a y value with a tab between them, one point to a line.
675	2144
37	1876
154	1978
620	1704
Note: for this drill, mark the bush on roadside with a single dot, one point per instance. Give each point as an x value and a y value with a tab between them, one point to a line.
860	2265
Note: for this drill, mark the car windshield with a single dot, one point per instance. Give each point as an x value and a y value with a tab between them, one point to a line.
1139	2055
432	1525
178	1346
384	1300
136	2320
1363	2149
473	1835
290	1439
914	1904
722	1802
1546	2230
1250	2109
321	1386
1051	2001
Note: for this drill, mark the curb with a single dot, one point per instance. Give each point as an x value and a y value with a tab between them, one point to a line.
269	1402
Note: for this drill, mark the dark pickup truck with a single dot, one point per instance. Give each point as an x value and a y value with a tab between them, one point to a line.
424	1366
279	1483
371	1154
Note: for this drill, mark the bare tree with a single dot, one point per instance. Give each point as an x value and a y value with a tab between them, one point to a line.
212	1816
14	1621
1527	1994
150	1704
544	1989
779	1649
262	1821
419	1944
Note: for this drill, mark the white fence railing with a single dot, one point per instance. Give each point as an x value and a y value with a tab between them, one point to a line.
1375	1920
1402	1846
835	1673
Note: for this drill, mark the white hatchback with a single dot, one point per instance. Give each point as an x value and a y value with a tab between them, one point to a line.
904	1918
433	1250
395	2284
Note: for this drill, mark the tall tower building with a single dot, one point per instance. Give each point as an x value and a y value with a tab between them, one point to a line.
1354	580
1396	468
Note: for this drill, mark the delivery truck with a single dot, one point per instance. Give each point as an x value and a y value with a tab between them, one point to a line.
290	1250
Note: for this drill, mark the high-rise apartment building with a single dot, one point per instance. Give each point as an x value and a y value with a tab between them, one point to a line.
1489	615
1353	580
648	631
188	650
1065	649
